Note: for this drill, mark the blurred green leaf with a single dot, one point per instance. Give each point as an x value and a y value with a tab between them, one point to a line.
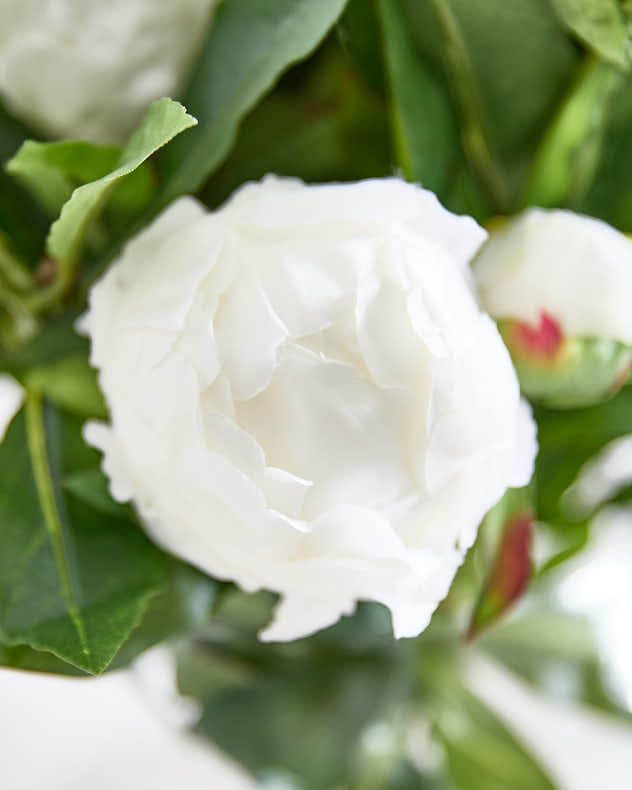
91	486
556	652
609	197
295	708
567	439
359	31
599	24
70	383
183	607
55	341
481	753
567	159
72	581
20	218
519	61
330	126
425	128
251	42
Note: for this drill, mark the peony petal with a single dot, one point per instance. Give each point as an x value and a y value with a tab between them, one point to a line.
11	398
248	334
318	420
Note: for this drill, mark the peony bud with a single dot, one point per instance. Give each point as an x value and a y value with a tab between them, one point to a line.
509	575
88	69
558	284
305	396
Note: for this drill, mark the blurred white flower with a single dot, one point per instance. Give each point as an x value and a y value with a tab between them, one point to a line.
575	268
89	69
559	285
11	397
598	582
305	396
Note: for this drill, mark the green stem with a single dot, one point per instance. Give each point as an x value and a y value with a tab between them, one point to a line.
36	437
474	138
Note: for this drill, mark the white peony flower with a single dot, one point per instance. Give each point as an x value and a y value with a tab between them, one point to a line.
84	68
305	396
559	284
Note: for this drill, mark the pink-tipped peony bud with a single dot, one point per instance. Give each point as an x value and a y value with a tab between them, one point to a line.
558	285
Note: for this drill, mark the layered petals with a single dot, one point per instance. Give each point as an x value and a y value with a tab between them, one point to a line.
305	396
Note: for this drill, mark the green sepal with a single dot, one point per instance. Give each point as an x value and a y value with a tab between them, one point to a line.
583	371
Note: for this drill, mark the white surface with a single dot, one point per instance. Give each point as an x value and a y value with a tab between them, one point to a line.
62	734
66	734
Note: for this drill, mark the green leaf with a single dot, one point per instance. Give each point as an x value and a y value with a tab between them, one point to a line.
520	62
91	486
51	171
360	33
251	42
568	439
164	120
426	132
57	340
183	608
328	125
73	581
568	157
297	708
599	24
481	753
70	383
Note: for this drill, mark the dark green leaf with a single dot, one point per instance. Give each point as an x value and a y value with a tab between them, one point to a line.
251	42
329	127
521	62
91	486
72	581
359	30
296	708
57	340
425	128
